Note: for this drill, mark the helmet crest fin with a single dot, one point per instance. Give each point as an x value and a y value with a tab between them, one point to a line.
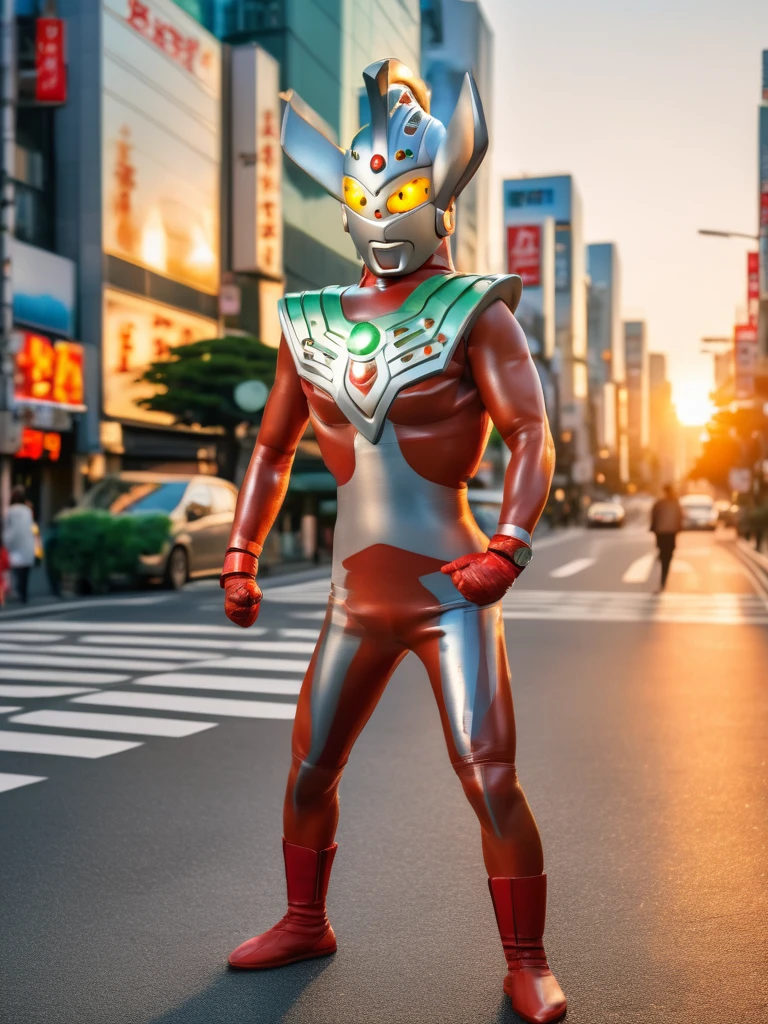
312	150
462	149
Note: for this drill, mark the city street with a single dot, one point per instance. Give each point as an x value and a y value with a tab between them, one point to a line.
144	745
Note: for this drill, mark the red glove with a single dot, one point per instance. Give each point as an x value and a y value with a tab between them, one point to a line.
485	577
242	594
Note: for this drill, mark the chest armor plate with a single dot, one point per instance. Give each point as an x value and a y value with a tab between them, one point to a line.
363	366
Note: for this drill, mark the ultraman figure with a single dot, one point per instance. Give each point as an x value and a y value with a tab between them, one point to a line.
402	377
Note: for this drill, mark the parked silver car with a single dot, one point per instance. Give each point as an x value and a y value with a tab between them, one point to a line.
201	509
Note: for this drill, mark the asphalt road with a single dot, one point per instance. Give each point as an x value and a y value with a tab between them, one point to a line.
135	862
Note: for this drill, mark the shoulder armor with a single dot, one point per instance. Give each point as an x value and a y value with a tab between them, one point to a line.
396	350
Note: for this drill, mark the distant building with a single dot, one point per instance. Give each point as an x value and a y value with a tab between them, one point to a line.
638	398
456	38
605	362
540	206
663	426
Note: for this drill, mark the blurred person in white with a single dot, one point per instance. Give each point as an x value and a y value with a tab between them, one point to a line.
19	538
666	523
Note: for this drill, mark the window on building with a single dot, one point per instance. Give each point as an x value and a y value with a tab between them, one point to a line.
530	197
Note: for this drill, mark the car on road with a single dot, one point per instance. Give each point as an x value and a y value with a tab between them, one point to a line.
605	513
200	508
699	512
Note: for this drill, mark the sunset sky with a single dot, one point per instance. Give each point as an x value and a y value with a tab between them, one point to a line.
652	107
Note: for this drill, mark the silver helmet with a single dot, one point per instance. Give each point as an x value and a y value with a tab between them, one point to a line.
399	180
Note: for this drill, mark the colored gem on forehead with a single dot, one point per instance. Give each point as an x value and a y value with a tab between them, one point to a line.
378	163
409	153
377	214
363	339
400	154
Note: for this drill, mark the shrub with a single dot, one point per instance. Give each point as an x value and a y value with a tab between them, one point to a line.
95	546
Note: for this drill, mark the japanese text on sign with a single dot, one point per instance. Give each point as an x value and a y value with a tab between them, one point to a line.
185	50
49	371
51	82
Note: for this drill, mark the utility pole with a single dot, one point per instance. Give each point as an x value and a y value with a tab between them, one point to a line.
8	423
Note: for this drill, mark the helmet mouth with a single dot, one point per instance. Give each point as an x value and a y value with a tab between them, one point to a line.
390	257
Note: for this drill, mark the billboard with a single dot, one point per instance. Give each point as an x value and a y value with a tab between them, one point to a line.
257	163
524	253
161	130
51	77
43	289
138	332
745	359
49	372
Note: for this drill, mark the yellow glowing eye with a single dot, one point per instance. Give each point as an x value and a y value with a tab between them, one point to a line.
409	196
354	195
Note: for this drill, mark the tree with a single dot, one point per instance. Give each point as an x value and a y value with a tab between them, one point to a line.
197	385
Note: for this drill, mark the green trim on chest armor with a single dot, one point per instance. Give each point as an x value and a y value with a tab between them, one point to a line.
363	365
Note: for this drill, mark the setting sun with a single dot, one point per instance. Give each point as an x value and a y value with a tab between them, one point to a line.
692	402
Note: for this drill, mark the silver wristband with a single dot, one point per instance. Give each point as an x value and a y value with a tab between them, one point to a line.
515	531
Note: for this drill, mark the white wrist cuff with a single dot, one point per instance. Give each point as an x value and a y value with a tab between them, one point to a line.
515	531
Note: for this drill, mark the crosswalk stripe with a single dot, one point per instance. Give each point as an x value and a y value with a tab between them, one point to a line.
166	643
572	568
255	665
185	681
168	647
300	634
68	626
46	675
138	725
10	781
133	652
640	570
315	616
9	690
10	633
61	746
67	661
227	707
6	709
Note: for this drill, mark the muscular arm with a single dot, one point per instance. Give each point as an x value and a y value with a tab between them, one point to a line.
510	389
265	483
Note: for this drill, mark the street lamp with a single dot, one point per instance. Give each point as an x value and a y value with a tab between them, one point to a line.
728	234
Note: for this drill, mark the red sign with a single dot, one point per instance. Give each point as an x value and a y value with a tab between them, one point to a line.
524	253
34	444
185	50
49	371
745	359
51	83
753	285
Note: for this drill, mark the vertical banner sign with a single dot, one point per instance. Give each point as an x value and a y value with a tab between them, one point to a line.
745	359
51	81
257	162
753	285
524	253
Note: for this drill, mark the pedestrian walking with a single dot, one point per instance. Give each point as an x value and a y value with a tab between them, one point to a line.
19	535
666	523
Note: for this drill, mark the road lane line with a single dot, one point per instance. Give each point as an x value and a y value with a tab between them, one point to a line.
61	746
183	681
10	781
572	568
640	570
72	626
65	661
226	707
255	665
21	690
138	725
132	652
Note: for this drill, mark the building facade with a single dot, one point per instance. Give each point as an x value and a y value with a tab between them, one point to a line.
550	207
638	399
455	39
663	427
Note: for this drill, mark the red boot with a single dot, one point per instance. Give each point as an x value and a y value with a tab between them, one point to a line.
305	931
520	905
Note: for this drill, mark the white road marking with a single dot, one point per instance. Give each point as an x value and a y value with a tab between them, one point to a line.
631	606
572	568
10	781
184	681
6	709
53	661
226	707
640	570
94	722
131	652
255	665
70	626
678	565
11	633
61	746
300	634
47	675
315	616
9	690
167	646
64	607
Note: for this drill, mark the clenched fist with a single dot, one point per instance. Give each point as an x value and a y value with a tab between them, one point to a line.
242	598
486	576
